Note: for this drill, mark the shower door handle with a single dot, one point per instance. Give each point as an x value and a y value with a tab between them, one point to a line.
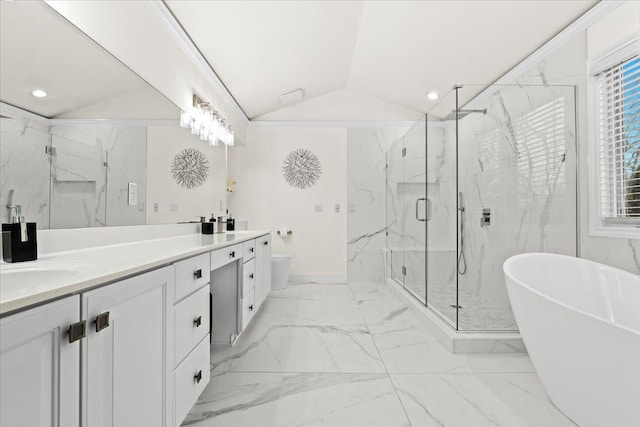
428	203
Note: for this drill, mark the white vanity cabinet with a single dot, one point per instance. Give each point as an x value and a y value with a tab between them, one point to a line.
123	356
190	355
263	269
39	367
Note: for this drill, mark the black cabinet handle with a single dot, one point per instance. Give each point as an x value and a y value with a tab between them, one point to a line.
266	242
232	254
77	331
251	250
102	321
251	307
197	321
251	276
198	274
198	377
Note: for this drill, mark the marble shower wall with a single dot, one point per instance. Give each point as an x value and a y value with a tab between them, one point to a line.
25	169
366	219
84	184
85	150
519	161
567	65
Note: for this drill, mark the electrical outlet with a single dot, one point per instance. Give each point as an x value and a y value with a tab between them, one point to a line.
337	209
173	207
319	208
155	207
132	194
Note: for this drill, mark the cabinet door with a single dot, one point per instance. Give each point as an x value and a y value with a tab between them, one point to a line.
263	269
39	368
123	365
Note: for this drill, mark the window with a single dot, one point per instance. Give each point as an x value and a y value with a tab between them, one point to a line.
615	90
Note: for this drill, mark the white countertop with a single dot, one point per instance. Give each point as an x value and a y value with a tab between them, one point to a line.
84	269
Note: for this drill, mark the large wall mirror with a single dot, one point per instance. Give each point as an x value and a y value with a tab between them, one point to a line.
103	147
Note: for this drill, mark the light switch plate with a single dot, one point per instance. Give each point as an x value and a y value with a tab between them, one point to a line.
132	194
337	209
155	207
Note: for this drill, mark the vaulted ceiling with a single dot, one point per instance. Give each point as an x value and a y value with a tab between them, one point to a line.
364	59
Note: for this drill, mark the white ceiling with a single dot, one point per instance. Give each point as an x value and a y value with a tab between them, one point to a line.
40	49
395	51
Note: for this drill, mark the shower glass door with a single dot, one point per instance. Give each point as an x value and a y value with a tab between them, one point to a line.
395	212
441	194
412	191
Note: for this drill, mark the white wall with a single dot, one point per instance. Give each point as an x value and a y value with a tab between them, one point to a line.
262	196
163	143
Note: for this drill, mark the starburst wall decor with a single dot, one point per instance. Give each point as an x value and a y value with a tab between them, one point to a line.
301	168
190	168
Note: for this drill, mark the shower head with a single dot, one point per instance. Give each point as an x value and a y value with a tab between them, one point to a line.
462	113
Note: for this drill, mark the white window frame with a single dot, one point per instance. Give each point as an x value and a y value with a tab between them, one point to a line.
612	57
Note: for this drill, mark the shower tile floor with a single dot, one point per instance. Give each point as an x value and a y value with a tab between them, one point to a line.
355	355
477	313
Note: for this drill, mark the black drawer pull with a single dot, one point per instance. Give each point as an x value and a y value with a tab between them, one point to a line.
197	274
232	254
251	250
77	331
251	276
266	242
251	307
102	321
198	377
197	321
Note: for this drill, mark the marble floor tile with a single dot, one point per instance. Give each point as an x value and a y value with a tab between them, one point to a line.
478	400
259	399
357	355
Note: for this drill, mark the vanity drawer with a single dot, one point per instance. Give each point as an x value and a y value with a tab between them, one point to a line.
190	322
190	378
226	255
248	306
191	275
248	276
249	250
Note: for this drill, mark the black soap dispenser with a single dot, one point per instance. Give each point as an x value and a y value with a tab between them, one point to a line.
19	241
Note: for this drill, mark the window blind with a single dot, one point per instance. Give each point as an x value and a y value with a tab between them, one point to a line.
619	137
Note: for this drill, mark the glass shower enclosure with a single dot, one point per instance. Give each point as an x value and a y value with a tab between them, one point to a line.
472	184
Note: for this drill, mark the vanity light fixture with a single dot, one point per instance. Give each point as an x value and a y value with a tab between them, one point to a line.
433	95
39	93
207	123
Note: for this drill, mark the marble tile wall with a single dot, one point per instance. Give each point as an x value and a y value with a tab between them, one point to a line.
366	219
567	65
73	188
25	169
519	161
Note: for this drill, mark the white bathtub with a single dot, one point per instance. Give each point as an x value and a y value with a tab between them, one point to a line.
580	321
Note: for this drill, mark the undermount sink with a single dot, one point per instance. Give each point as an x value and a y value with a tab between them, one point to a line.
16	277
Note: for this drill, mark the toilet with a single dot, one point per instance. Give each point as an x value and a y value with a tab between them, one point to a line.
280	264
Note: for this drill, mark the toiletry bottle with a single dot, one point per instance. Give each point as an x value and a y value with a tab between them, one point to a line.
231	223
221	225
19	238
207	227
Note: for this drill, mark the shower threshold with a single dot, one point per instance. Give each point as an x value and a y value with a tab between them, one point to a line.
460	341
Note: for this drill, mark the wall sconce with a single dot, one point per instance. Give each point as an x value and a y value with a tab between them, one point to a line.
207	123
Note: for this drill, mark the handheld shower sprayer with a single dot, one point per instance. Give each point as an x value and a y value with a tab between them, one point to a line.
462	261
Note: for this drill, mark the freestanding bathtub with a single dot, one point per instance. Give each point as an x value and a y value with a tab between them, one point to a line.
580	322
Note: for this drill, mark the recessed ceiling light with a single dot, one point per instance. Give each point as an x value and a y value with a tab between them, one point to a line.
433	95
39	93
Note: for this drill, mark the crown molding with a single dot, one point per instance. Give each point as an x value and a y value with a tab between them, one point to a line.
589	18
331	123
171	24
